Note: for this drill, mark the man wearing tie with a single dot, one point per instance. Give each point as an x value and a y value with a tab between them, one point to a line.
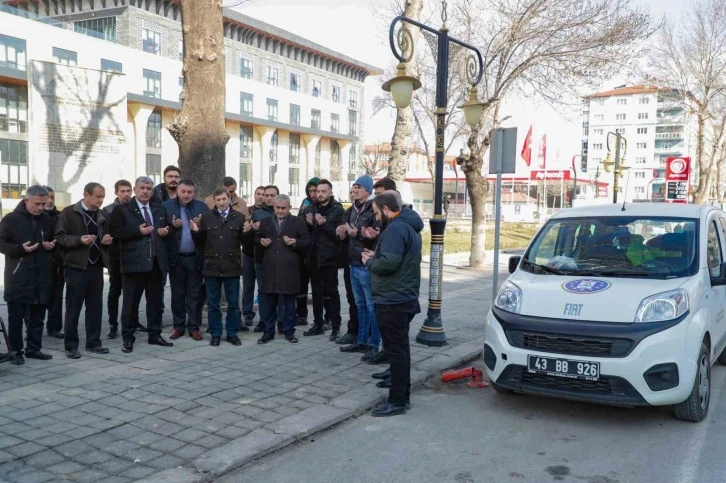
140	228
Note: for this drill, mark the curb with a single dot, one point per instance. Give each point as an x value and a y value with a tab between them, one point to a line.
286	431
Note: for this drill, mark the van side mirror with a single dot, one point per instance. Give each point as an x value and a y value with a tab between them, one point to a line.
514	263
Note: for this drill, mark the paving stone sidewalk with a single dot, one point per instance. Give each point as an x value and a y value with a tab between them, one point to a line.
194	411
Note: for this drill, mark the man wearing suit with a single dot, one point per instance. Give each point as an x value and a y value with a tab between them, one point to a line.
185	260
285	240
140	227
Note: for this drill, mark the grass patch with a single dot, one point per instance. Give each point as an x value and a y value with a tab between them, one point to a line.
511	236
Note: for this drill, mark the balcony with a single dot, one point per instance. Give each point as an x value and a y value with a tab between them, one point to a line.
676	149
669	135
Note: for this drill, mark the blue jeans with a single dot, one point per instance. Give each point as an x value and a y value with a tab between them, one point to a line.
368	333
214	312
248	286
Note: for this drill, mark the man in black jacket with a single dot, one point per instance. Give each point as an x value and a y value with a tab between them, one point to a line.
167	190
306	280
141	229
122	189
285	239
351	336
323	217
54	324
26	240
82	233
249	274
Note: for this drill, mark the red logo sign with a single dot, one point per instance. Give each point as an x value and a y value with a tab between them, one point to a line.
550	174
678	169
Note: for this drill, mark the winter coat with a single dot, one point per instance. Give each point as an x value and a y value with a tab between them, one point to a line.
173	209
260	214
361	217
113	251
159	195
28	276
69	229
134	248
281	264
396	267
57	255
222	243
326	246
237	204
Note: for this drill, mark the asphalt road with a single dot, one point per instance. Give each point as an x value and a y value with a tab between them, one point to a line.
461	435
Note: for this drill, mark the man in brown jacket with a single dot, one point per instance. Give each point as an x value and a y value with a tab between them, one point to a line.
235	202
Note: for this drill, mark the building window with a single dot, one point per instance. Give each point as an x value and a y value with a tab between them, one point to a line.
317	88
640	189
353	163
294	82
100	28
642	130
644	100
245	104
318	157
335	171
597	146
151	41
622	102
13	109
315	119
245	180
353	123
152	84
14	168
585	131
642	115
294	145
272	76
272	109
600	102
153	130
641	145
353	98
336	94
620	131
12	53
334	123
596	161
599	117
640	160
273	157
619	117
245	68
180	49
111	66
245	142
65	57
153	167
666	146
294	180
294	114
640	174
597	132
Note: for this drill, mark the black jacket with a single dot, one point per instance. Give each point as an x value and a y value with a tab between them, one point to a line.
57	255
69	229
159	195
222	243
326	246
360	217
173	209
260	214
113	251
135	249
28	276
281	263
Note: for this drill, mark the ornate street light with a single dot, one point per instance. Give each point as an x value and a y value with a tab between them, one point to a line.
401	88
617	165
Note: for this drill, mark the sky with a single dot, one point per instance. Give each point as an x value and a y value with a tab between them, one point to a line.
351	28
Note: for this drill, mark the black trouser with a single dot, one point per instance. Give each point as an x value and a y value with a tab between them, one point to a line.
84	287
393	323
186	282
249	276
330	295
33	316
55	308
115	279
270	305
312	275
352	307
135	285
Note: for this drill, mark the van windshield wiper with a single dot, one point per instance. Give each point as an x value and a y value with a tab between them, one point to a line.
613	273
544	268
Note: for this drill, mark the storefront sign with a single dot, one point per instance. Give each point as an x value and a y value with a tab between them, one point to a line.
550	174
678	172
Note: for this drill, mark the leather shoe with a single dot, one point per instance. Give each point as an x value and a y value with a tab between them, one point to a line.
209	330
127	348
259	328
73	354
41	356
314	330
280	329
18	359
161	342
334	335
380	358
266	338
384	384
112	333
249	322
99	350
58	334
141	328
370	354
194	334
243	328
176	334
215	341
385	400
291	339
347	339
234	341
382	375
300	321
388	409
355	348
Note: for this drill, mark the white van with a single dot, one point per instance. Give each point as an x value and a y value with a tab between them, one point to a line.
616	304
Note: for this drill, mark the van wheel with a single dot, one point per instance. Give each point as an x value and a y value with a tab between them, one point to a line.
722	357
500	389
695	408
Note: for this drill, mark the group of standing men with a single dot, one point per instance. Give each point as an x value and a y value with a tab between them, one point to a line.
204	248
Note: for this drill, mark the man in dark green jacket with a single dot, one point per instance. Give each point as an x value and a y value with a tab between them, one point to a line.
395	268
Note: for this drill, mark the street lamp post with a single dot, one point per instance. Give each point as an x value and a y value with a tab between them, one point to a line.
617	166
401	88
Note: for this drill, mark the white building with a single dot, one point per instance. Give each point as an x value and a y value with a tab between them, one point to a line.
655	127
87	87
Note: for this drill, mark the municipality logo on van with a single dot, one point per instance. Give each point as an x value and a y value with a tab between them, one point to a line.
586	286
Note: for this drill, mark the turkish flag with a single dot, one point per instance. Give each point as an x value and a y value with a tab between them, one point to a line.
542	158
527	147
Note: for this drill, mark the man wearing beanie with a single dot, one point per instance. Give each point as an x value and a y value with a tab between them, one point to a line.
301	301
361	216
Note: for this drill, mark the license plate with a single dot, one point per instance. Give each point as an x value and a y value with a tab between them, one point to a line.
552	366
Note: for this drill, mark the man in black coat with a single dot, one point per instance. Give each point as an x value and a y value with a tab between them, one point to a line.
167	190
82	233
26	240
323	218
141	229
285	240
54	324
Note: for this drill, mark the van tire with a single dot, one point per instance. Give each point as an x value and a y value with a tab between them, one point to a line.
500	389
695	408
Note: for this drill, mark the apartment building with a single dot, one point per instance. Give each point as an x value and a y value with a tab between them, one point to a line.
87	88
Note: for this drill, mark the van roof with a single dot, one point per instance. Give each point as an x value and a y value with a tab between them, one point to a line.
638	209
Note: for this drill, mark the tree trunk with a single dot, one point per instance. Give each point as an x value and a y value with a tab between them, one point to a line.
701	192
476	184
199	129
402	140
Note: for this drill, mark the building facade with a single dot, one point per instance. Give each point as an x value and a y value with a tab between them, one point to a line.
655	127
87	88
